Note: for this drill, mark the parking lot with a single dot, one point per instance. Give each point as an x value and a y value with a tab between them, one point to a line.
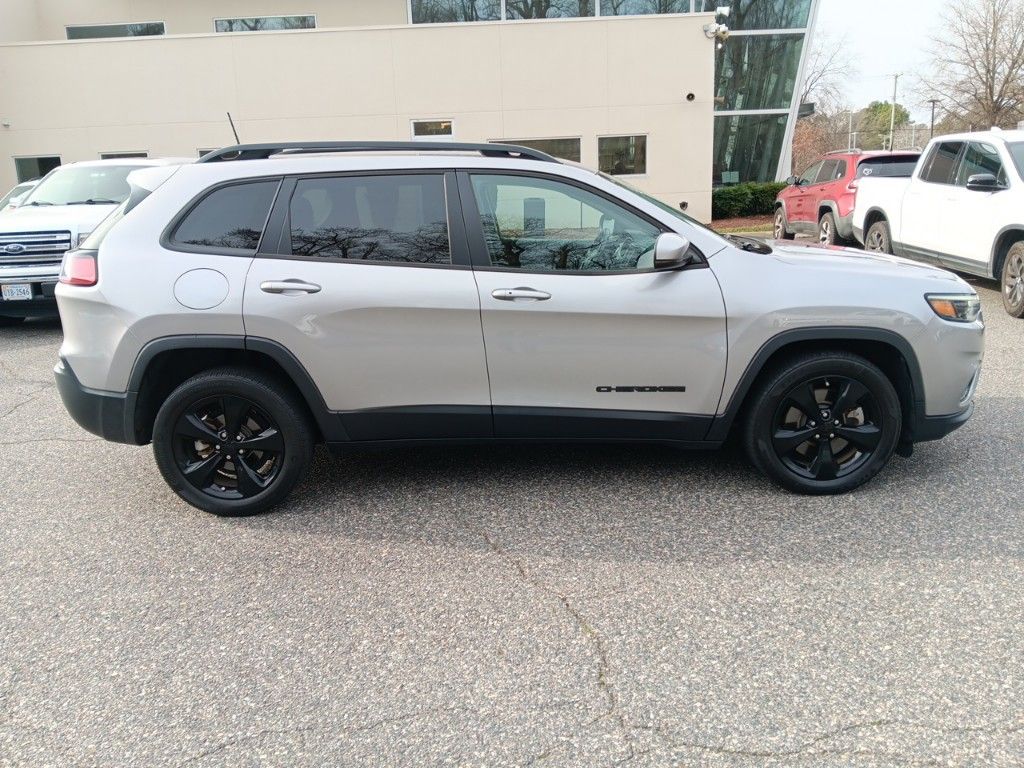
511	606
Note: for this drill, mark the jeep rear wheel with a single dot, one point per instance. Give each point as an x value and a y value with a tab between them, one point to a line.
827	229
1013	280
780	229
232	442
878	239
823	423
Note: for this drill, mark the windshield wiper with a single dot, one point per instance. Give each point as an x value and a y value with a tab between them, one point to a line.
94	201
39	202
749	244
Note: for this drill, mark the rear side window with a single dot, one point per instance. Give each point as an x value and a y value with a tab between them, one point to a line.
391	219
827	172
230	218
887	167
942	163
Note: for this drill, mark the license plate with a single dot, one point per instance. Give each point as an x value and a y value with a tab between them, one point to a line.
18	292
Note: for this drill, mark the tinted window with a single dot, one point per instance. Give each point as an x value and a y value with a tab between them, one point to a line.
398	219
622	155
91	31
811	174
827	172
978	159
541	225
942	163
887	167
230	217
567	149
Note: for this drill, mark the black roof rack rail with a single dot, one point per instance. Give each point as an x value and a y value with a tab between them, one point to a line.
264	151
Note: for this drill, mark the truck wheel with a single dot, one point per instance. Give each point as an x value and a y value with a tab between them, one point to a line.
878	238
823	423
781	227
827	229
1013	280
232	441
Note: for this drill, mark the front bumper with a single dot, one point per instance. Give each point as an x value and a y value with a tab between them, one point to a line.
928	428
109	415
42	278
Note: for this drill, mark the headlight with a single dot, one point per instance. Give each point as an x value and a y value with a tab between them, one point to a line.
82	237
956	307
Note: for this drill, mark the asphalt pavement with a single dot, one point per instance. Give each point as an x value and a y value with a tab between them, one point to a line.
528	606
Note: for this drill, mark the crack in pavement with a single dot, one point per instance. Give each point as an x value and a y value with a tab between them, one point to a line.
597	642
17	377
31	397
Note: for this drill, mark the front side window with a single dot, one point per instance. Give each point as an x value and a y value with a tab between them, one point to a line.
622	155
83	185
810	176
548	9
980	159
264	23
231	217
390	219
942	163
448	11
94	31
541	225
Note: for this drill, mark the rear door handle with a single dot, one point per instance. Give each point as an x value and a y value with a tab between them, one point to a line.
520	294
289	287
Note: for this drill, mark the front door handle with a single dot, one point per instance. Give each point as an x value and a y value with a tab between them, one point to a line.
520	294
289	287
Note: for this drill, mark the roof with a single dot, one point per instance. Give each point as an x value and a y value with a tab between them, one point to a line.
992	135
141	162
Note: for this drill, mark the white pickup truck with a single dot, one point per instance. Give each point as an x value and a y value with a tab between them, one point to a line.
962	209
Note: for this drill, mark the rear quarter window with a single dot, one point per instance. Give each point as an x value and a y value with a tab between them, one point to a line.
230	218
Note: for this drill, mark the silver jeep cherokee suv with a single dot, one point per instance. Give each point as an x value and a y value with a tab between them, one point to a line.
237	310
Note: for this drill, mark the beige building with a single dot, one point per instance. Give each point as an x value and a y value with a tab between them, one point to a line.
632	94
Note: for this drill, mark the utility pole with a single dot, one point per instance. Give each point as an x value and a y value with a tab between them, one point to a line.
933	102
892	118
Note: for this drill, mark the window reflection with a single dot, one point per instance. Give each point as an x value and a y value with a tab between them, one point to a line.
447	11
743	79
399	219
748	147
762	14
639	7
548	9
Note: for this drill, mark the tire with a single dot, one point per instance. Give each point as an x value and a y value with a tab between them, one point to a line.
878	238
7	322
781	226
827	229
778	419
196	455
1012	280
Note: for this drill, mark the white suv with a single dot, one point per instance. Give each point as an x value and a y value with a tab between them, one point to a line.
963	209
237	310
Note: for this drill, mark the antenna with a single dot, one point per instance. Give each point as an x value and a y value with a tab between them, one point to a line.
237	140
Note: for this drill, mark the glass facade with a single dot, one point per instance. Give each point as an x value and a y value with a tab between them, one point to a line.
748	15
742	81
94	31
748	147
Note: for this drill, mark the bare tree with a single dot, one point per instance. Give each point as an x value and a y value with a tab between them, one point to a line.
826	75
977	63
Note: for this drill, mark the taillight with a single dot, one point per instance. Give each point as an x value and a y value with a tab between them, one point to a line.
852	186
79	268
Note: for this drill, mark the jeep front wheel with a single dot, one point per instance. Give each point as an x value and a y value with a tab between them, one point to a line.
823	423
232	442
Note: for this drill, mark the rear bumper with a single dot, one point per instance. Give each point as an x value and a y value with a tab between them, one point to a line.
43	280
109	415
928	428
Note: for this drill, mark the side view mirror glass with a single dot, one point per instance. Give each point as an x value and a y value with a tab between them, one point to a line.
671	251
793	181
983	182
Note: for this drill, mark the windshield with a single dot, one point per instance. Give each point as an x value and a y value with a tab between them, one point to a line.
662	205
1017	153
83	185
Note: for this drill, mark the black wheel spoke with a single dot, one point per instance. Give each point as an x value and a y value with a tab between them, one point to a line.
249	482
788	440
825	466
849	398
235	411
805	399
866	437
192	426
267	440
200	473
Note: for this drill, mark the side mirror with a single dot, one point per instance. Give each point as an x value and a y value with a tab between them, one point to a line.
793	181
671	251
984	182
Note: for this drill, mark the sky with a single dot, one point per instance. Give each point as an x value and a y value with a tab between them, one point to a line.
883	37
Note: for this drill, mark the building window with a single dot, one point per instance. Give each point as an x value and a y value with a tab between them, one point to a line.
28	168
93	31
121	155
207	151
622	155
748	147
548	9
761	14
642	7
432	130
447	11
390	219
743	81
567	149
264	23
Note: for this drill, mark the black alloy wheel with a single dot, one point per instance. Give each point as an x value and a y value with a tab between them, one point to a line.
228	448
